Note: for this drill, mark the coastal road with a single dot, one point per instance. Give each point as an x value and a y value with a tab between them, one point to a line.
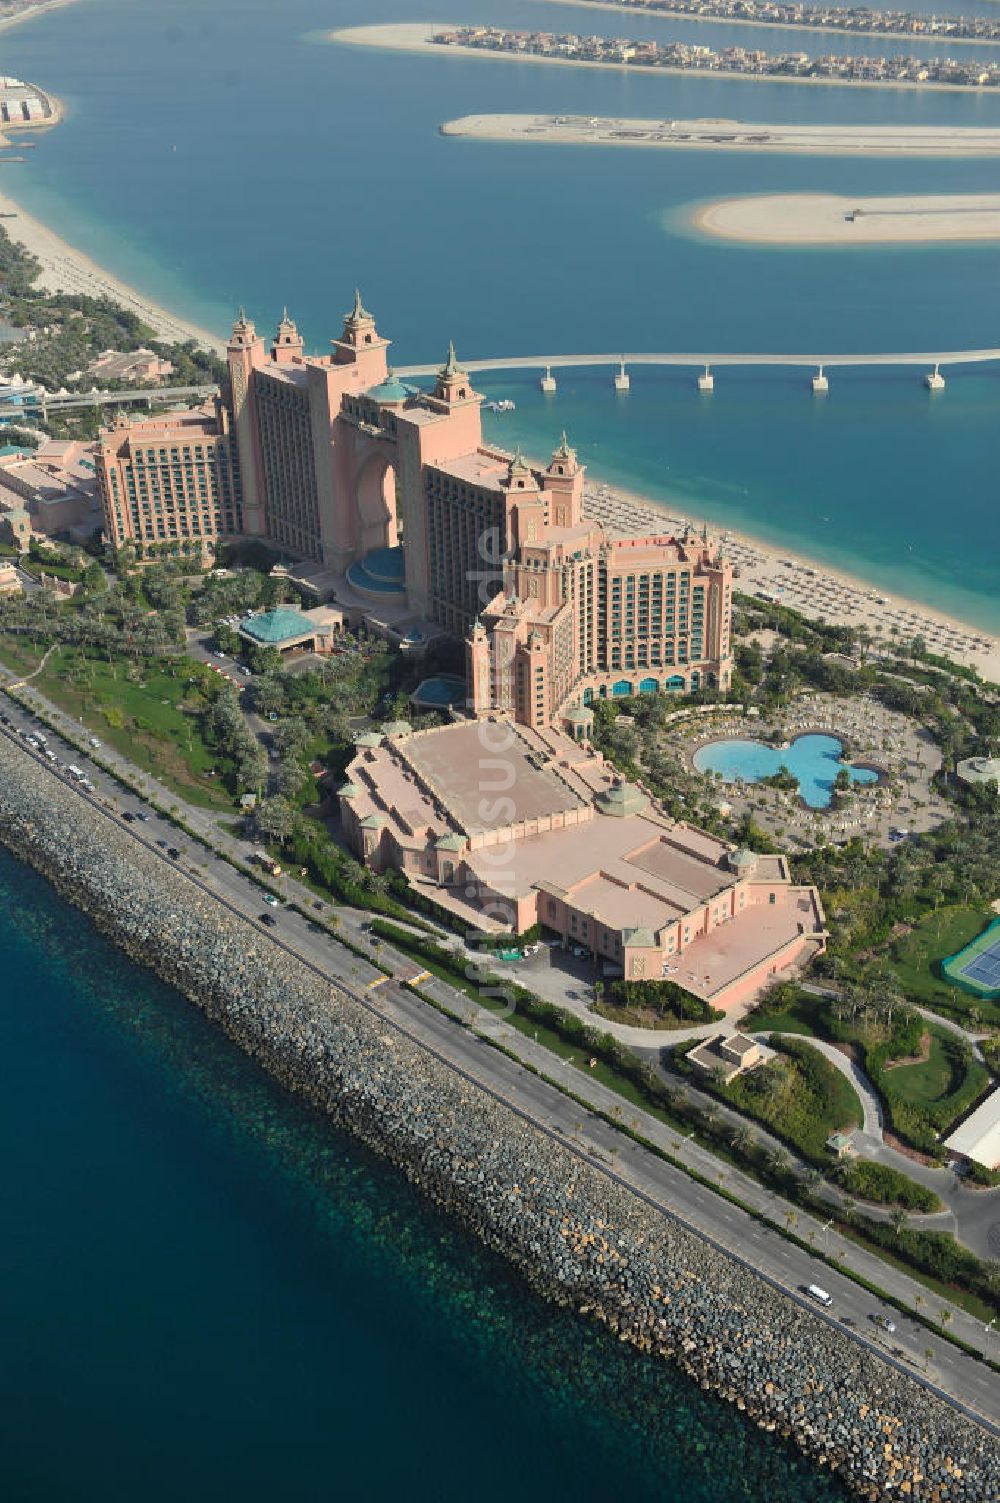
960	1379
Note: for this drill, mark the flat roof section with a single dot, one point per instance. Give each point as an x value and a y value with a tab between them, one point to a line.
689	870
979	1135
481	773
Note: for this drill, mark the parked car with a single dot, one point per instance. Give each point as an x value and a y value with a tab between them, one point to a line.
268	919
272	900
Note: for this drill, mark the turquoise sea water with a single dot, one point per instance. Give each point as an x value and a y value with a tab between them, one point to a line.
220	154
814	760
208	1293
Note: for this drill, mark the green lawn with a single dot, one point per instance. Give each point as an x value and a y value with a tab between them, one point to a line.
152	722
802	1013
939	1088
20	653
803	1106
933	939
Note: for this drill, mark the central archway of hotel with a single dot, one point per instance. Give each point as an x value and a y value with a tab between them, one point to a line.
375	498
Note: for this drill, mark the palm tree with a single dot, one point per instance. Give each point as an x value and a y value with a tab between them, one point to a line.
779	1160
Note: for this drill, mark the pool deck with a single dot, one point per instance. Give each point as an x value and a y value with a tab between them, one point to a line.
845	760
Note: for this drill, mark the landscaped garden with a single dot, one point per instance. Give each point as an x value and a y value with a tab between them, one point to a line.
915	959
926	1075
798	1095
885	1186
150	711
929	1089
652	1004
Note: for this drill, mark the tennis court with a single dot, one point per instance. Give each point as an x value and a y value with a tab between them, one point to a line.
976	968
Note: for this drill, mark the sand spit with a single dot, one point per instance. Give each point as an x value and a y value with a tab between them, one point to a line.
648	13
65	269
733	135
32	12
417	36
827	219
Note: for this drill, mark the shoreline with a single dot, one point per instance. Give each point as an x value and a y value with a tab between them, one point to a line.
839	31
579	1234
35	10
759	560
826	219
66	269
937	143
414	37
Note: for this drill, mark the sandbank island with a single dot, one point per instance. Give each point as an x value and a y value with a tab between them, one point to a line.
13	12
670	58
826	219
790	15
733	135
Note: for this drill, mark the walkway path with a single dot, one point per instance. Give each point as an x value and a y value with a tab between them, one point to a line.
554	362
870	1104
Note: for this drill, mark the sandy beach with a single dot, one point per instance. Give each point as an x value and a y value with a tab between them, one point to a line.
415	36
65	269
827	219
816	590
733	135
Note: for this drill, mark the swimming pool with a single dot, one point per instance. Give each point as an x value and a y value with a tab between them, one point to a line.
439	693
814	760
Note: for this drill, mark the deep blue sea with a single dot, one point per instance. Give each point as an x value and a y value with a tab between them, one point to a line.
208	1293
217	153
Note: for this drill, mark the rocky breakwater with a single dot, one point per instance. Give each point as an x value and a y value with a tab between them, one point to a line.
578	1237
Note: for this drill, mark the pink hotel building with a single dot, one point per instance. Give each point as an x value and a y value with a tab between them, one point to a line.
336	461
390	492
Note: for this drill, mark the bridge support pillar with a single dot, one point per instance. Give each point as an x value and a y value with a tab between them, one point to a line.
622	381
548	381
820	383
934	381
706	381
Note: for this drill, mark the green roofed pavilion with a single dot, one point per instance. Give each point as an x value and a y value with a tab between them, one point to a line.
622	800
277	628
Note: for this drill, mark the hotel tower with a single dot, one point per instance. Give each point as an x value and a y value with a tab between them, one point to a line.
388	487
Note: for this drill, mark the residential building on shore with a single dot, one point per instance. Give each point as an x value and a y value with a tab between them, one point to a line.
49	491
393	505
132	365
